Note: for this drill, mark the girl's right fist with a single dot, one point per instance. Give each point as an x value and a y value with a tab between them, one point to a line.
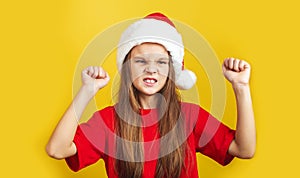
94	78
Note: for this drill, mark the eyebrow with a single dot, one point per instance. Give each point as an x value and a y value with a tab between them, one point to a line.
160	58
138	57
164	58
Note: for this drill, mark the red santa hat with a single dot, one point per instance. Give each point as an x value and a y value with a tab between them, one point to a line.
157	28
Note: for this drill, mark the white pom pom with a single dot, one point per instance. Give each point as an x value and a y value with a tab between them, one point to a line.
186	80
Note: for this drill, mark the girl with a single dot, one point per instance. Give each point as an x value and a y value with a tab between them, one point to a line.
150	132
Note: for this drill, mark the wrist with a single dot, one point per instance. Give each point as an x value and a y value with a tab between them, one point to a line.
240	86
242	91
87	91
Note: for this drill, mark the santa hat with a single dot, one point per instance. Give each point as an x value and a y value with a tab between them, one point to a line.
157	28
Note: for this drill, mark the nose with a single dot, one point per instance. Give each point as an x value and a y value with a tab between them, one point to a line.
151	68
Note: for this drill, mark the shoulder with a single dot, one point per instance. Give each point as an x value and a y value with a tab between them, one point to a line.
190	111
105	116
109	110
190	107
194	112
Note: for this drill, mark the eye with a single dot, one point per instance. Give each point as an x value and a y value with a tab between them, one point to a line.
140	61
162	62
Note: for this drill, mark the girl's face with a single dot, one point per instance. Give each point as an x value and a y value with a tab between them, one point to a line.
149	63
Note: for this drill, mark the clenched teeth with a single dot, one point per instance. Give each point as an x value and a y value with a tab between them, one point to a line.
150	81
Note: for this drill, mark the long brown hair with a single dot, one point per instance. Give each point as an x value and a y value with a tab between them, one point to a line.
170	162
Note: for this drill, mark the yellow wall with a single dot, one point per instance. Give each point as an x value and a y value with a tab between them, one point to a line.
41	42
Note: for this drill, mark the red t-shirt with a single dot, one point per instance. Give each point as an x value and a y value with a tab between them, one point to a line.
95	140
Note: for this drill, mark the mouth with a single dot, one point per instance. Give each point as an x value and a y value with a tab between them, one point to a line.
150	81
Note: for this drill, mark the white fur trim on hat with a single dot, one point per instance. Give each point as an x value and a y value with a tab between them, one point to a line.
157	31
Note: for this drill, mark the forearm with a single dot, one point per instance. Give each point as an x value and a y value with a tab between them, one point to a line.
61	143
245	138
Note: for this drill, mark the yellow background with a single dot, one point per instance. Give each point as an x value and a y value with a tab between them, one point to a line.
41	42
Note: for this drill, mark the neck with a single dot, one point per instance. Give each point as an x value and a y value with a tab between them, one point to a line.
149	101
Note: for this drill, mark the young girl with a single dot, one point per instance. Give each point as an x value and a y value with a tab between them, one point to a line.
150	132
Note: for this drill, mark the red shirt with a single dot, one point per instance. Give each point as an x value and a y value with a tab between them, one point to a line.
96	140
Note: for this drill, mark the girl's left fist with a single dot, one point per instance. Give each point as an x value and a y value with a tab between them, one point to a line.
236	71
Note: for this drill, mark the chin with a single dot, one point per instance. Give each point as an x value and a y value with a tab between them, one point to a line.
148	92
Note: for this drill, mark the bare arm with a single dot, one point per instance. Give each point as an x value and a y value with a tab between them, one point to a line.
60	144
238	73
